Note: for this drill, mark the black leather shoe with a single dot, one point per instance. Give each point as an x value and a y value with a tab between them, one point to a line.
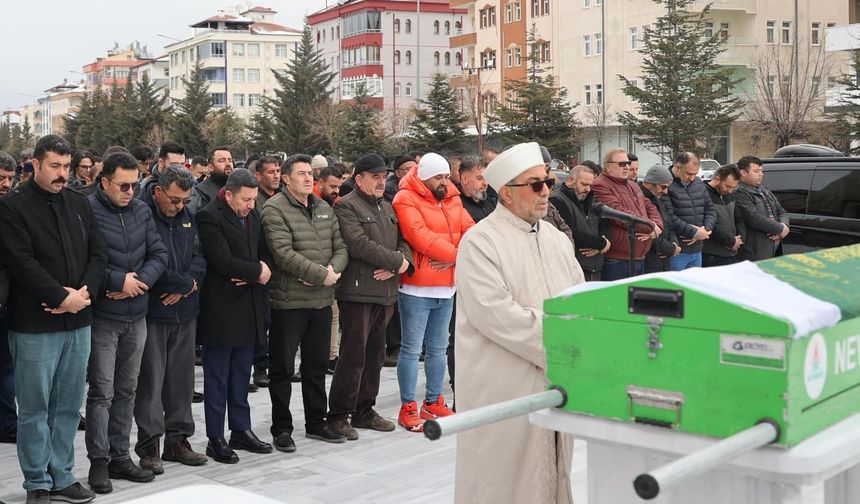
197	397
249	441
296	377
220	452
327	435
284	442
260	377
252	387
126	469
99	479
9	437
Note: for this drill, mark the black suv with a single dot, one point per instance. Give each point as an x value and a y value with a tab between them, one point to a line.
820	189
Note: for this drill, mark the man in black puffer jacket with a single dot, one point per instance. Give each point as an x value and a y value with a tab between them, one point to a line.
693	214
136	259
166	383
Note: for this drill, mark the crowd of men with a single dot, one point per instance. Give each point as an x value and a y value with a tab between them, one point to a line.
114	269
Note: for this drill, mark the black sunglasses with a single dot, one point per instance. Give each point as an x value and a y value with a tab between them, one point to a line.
621	163
537	185
125	187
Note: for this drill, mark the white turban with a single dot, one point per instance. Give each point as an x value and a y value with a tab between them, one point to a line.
512	162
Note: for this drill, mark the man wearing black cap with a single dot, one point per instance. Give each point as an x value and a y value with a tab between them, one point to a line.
366	293
654	187
401	166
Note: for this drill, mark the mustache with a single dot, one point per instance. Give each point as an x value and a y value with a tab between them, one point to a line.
61	180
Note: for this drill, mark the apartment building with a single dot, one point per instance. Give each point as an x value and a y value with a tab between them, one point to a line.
158	72
394	47
114	69
238	54
590	42
47	114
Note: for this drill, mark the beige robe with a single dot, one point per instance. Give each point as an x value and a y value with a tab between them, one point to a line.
504	273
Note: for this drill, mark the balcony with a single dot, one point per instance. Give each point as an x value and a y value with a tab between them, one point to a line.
464	40
464	81
739	52
748	6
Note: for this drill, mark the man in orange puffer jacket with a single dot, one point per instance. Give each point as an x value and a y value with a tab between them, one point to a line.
432	220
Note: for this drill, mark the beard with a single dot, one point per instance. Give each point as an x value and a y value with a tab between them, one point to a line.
480	196
440	192
218	178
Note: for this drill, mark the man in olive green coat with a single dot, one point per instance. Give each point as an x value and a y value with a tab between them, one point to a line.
366	295
310	255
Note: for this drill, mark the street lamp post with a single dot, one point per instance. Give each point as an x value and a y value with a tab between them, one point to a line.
479	106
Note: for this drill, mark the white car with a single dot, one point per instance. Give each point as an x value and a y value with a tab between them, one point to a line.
707	167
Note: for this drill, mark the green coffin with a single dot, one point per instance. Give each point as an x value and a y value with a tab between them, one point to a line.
780	343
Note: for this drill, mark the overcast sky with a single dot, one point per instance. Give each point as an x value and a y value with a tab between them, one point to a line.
42	40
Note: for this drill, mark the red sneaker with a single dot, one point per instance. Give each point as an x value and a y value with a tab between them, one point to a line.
435	410
409	418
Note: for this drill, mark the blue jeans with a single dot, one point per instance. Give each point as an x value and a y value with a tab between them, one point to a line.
614	269
681	262
424	322
50	369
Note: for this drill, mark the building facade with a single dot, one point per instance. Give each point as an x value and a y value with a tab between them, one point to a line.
394	47
589	43
47	114
158	72
115	68
237	54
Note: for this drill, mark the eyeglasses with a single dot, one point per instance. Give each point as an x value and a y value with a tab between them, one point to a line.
173	199
125	187
537	186
620	163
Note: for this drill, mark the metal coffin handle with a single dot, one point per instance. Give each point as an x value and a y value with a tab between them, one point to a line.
654	398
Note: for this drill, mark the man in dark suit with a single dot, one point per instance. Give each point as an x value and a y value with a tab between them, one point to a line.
231	312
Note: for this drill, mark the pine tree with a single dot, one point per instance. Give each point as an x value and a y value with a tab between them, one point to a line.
26	135
191	113
437	125
301	89
151	112
5	135
260	135
359	131
685	100
846	117
539	111
224	128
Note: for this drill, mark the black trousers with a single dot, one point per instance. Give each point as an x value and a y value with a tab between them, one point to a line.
226	372
362	353
709	260
392	333
310	328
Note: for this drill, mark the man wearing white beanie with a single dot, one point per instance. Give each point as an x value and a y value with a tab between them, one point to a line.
432	220
507	265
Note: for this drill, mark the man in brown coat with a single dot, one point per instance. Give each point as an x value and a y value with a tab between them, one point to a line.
366	294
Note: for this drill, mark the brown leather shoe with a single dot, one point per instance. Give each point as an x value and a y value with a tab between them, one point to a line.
149	458
342	427
181	452
373	422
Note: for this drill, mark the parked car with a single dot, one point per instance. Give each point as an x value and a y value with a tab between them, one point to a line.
707	167
820	189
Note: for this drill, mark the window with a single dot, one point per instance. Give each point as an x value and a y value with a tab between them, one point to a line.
546	55
436	58
323	34
183	57
332	33
791	188
634	83
634	38
253	50
253	75
488	59
238	75
518	56
771	84
598	88
255	100
509	57
239	50
364	21
815	33
396	57
786	32
408	57
724	32
587	99
518	13
281	50
436	27
396	89
219	99
458	28
408	26
447	27
492	16
408	89
771	32
598	43
239	100
337	31
586	3
598	3
459	59
536	8
485	18
396	26
447	58
509	13
586	45
835	193
709	30
546	7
